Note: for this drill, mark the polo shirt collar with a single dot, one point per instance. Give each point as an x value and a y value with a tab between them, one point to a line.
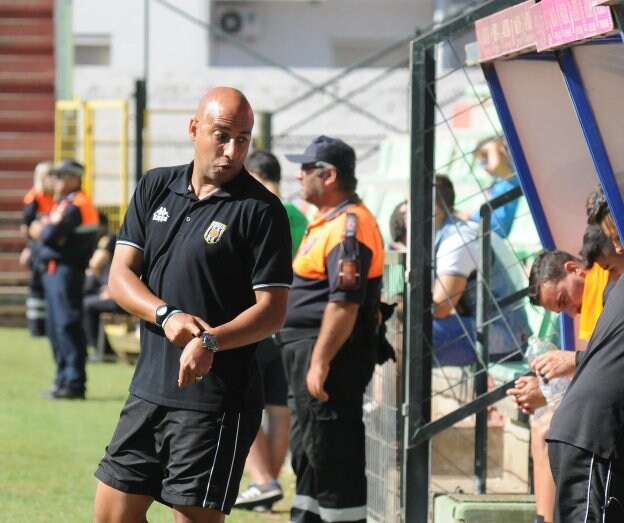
182	184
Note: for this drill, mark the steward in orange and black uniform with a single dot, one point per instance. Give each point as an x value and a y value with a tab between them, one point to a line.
68	240
339	263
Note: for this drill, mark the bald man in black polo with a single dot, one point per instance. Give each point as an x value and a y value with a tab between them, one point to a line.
204	259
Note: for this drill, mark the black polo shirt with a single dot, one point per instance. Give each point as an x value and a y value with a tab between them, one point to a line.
205	257
591	414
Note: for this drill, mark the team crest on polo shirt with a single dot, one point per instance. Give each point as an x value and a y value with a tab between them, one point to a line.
161	215
214	232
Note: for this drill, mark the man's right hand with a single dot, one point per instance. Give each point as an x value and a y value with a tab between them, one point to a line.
555	364
315	380
181	328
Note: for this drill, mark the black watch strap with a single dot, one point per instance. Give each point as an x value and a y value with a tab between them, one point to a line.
163	312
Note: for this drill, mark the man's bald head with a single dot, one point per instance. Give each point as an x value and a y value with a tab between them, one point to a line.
219	99
221	131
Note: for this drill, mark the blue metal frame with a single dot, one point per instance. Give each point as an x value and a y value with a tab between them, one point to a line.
618	12
568	336
526	178
517	154
594	140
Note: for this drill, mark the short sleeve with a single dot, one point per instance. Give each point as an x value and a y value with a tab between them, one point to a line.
132	230
271	248
333	273
456	256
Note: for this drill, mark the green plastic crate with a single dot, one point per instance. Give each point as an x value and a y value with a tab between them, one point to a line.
484	508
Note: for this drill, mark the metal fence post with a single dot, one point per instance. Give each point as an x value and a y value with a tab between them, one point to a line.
265	139
417	359
482	346
484	304
140	96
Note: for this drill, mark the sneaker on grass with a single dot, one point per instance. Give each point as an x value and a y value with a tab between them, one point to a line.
259	497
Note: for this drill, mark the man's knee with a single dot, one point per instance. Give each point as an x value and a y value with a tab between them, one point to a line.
185	514
114	506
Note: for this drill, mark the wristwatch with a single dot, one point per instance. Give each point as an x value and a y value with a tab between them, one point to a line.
209	341
162	312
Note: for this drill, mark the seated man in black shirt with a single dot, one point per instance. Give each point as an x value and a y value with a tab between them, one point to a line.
96	298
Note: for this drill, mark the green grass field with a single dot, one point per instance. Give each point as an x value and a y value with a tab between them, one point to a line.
49	449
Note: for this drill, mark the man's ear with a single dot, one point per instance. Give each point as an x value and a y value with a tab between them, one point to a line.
572	266
330	175
192	129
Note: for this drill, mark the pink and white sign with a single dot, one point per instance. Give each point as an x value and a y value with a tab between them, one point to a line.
567	21
545	25
506	32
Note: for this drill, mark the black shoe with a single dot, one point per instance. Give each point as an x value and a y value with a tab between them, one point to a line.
67	394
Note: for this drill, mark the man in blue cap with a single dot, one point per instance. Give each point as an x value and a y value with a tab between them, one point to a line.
328	336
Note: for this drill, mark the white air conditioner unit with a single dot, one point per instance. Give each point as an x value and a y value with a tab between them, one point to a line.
240	21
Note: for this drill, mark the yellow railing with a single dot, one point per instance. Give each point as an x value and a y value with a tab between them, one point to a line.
95	132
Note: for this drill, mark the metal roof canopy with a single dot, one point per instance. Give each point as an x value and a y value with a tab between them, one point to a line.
561	111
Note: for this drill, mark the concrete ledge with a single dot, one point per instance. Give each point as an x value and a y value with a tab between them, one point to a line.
122	331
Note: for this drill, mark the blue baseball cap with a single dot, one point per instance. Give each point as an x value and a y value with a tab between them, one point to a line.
68	167
330	150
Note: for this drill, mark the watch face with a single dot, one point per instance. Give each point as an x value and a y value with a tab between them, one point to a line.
210	342
161	309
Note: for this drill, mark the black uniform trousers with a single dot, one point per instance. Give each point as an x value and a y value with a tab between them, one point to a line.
327	438
63	291
35	303
590	489
93	307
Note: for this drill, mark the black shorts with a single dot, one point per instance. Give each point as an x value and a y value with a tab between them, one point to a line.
179	457
269	356
590	489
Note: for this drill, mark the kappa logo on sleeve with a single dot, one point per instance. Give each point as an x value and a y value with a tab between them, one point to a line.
214	232
161	215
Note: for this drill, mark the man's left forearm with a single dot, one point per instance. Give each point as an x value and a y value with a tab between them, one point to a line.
256	323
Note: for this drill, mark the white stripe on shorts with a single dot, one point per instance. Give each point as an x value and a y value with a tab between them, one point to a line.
606	500
591	469
227	486
213	465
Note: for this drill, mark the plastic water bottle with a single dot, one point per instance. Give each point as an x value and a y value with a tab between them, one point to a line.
553	390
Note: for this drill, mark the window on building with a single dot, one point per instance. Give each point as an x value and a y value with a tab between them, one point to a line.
92	49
